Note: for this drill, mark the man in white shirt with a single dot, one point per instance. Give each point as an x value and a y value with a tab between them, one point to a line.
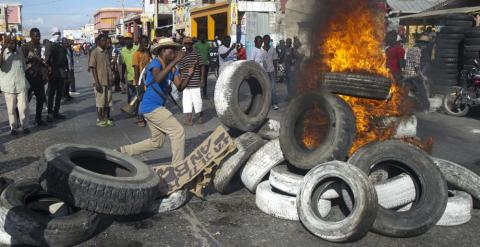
226	54
270	64
258	54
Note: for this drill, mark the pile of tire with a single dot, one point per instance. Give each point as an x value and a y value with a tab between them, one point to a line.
392	188
449	49
471	48
78	186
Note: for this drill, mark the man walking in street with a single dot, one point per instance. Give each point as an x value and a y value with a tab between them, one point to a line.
160	74
270	64
70	75
126	56
227	53
100	67
57	59
192	96
13	84
203	48
35	73
141	58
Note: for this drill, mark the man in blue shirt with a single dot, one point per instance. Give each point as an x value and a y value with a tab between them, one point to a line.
161	74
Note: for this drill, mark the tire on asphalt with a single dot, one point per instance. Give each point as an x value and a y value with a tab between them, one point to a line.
270	130
374	87
397	191
460	177
20	224
341	130
172	202
246	144
283	206
227	96
361	218
429	205
260	163
287	181
458	211
98	179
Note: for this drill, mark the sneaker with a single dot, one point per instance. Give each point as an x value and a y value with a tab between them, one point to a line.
275	107
74	93
102	124
109	123
13	132
59	116
26	131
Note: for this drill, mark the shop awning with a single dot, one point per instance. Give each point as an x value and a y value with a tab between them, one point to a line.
412	6
435	17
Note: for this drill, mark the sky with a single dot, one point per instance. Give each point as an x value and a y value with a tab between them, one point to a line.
64	14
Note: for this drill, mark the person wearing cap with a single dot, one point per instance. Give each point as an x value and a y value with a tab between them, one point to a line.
126	56
100	66
192	95
161	74
14	85
57	59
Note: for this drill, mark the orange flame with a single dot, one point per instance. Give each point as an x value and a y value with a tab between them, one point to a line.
353	44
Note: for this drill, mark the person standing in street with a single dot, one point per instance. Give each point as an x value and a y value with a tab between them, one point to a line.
161	74
241	52
100	67
35	73
395	56
258	54
14	85
270	64
192	96
291	62
70	76
114	63
227	53
203	48
141	58
57	59
126	56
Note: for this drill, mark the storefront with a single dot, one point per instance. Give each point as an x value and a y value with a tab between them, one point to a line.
213	20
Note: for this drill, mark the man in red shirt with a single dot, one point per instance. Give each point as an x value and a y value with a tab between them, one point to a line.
241	52
395	59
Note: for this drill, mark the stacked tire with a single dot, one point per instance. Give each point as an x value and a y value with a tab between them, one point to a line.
448	49
77	185
472	48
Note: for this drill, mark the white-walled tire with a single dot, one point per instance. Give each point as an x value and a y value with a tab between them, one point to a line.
247	144
172	202
458	211
260	164
361	218
270	130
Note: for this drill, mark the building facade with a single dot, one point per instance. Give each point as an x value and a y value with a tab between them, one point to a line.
89	32
157	18
106	19
11	19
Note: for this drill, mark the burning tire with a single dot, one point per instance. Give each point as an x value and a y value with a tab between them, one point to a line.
227	96
374	87
247	144
460	177
30	216
398	157
98	179
458	211
360	218
316	127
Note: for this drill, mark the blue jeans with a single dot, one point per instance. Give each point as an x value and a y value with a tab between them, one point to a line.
131	91
273	80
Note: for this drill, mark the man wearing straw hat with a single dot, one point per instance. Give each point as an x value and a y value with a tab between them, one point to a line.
161	74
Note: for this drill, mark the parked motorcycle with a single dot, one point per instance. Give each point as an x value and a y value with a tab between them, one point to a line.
465	97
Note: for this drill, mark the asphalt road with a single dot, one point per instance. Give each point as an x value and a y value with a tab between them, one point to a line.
220	220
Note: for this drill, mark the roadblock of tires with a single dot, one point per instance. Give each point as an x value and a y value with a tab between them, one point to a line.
391	188
78	187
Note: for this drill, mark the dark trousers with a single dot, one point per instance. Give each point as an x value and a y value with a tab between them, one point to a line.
38	89
55	92
418	87
69	82
71	78
204	90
